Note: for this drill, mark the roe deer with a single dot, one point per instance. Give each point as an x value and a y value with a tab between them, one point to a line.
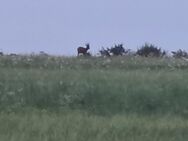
82	50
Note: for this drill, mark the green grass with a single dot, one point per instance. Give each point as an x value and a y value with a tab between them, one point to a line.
121	98
78	126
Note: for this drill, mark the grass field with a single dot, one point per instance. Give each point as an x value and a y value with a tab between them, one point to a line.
45	98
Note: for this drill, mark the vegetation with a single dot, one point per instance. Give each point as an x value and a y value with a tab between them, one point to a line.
180	53
147	50
150	50
105	52
78	126
116	50
93	98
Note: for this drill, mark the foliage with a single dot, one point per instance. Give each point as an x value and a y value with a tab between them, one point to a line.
105	52
117	50
150	50
180	53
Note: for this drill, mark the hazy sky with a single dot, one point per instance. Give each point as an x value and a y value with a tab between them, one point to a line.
60	26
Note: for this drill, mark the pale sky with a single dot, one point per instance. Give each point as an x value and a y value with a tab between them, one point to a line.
60	26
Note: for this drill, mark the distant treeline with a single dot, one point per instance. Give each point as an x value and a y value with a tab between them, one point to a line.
146	50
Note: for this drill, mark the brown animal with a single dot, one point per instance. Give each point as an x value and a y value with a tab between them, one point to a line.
82	50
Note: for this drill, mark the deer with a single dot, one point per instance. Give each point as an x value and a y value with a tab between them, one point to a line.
82	50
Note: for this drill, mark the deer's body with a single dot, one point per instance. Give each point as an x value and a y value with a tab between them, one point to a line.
82	50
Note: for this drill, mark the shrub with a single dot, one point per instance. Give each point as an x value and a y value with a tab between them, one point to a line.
104	52
150	50
180	53
118	50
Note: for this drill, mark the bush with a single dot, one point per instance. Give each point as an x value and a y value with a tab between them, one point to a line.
118	50
104	52
150	50
180	53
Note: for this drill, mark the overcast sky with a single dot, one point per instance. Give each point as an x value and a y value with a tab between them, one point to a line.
60	26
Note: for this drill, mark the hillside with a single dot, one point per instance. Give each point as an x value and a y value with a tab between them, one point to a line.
90	98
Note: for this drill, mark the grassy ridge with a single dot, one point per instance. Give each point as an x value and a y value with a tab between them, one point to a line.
102	99
92	87
84	63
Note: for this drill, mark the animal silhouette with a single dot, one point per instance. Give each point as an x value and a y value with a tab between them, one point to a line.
82	50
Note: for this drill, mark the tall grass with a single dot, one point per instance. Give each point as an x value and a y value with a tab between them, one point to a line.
78	126
122	98
83	63
85	84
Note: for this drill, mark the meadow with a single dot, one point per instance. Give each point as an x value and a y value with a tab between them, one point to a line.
49	98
